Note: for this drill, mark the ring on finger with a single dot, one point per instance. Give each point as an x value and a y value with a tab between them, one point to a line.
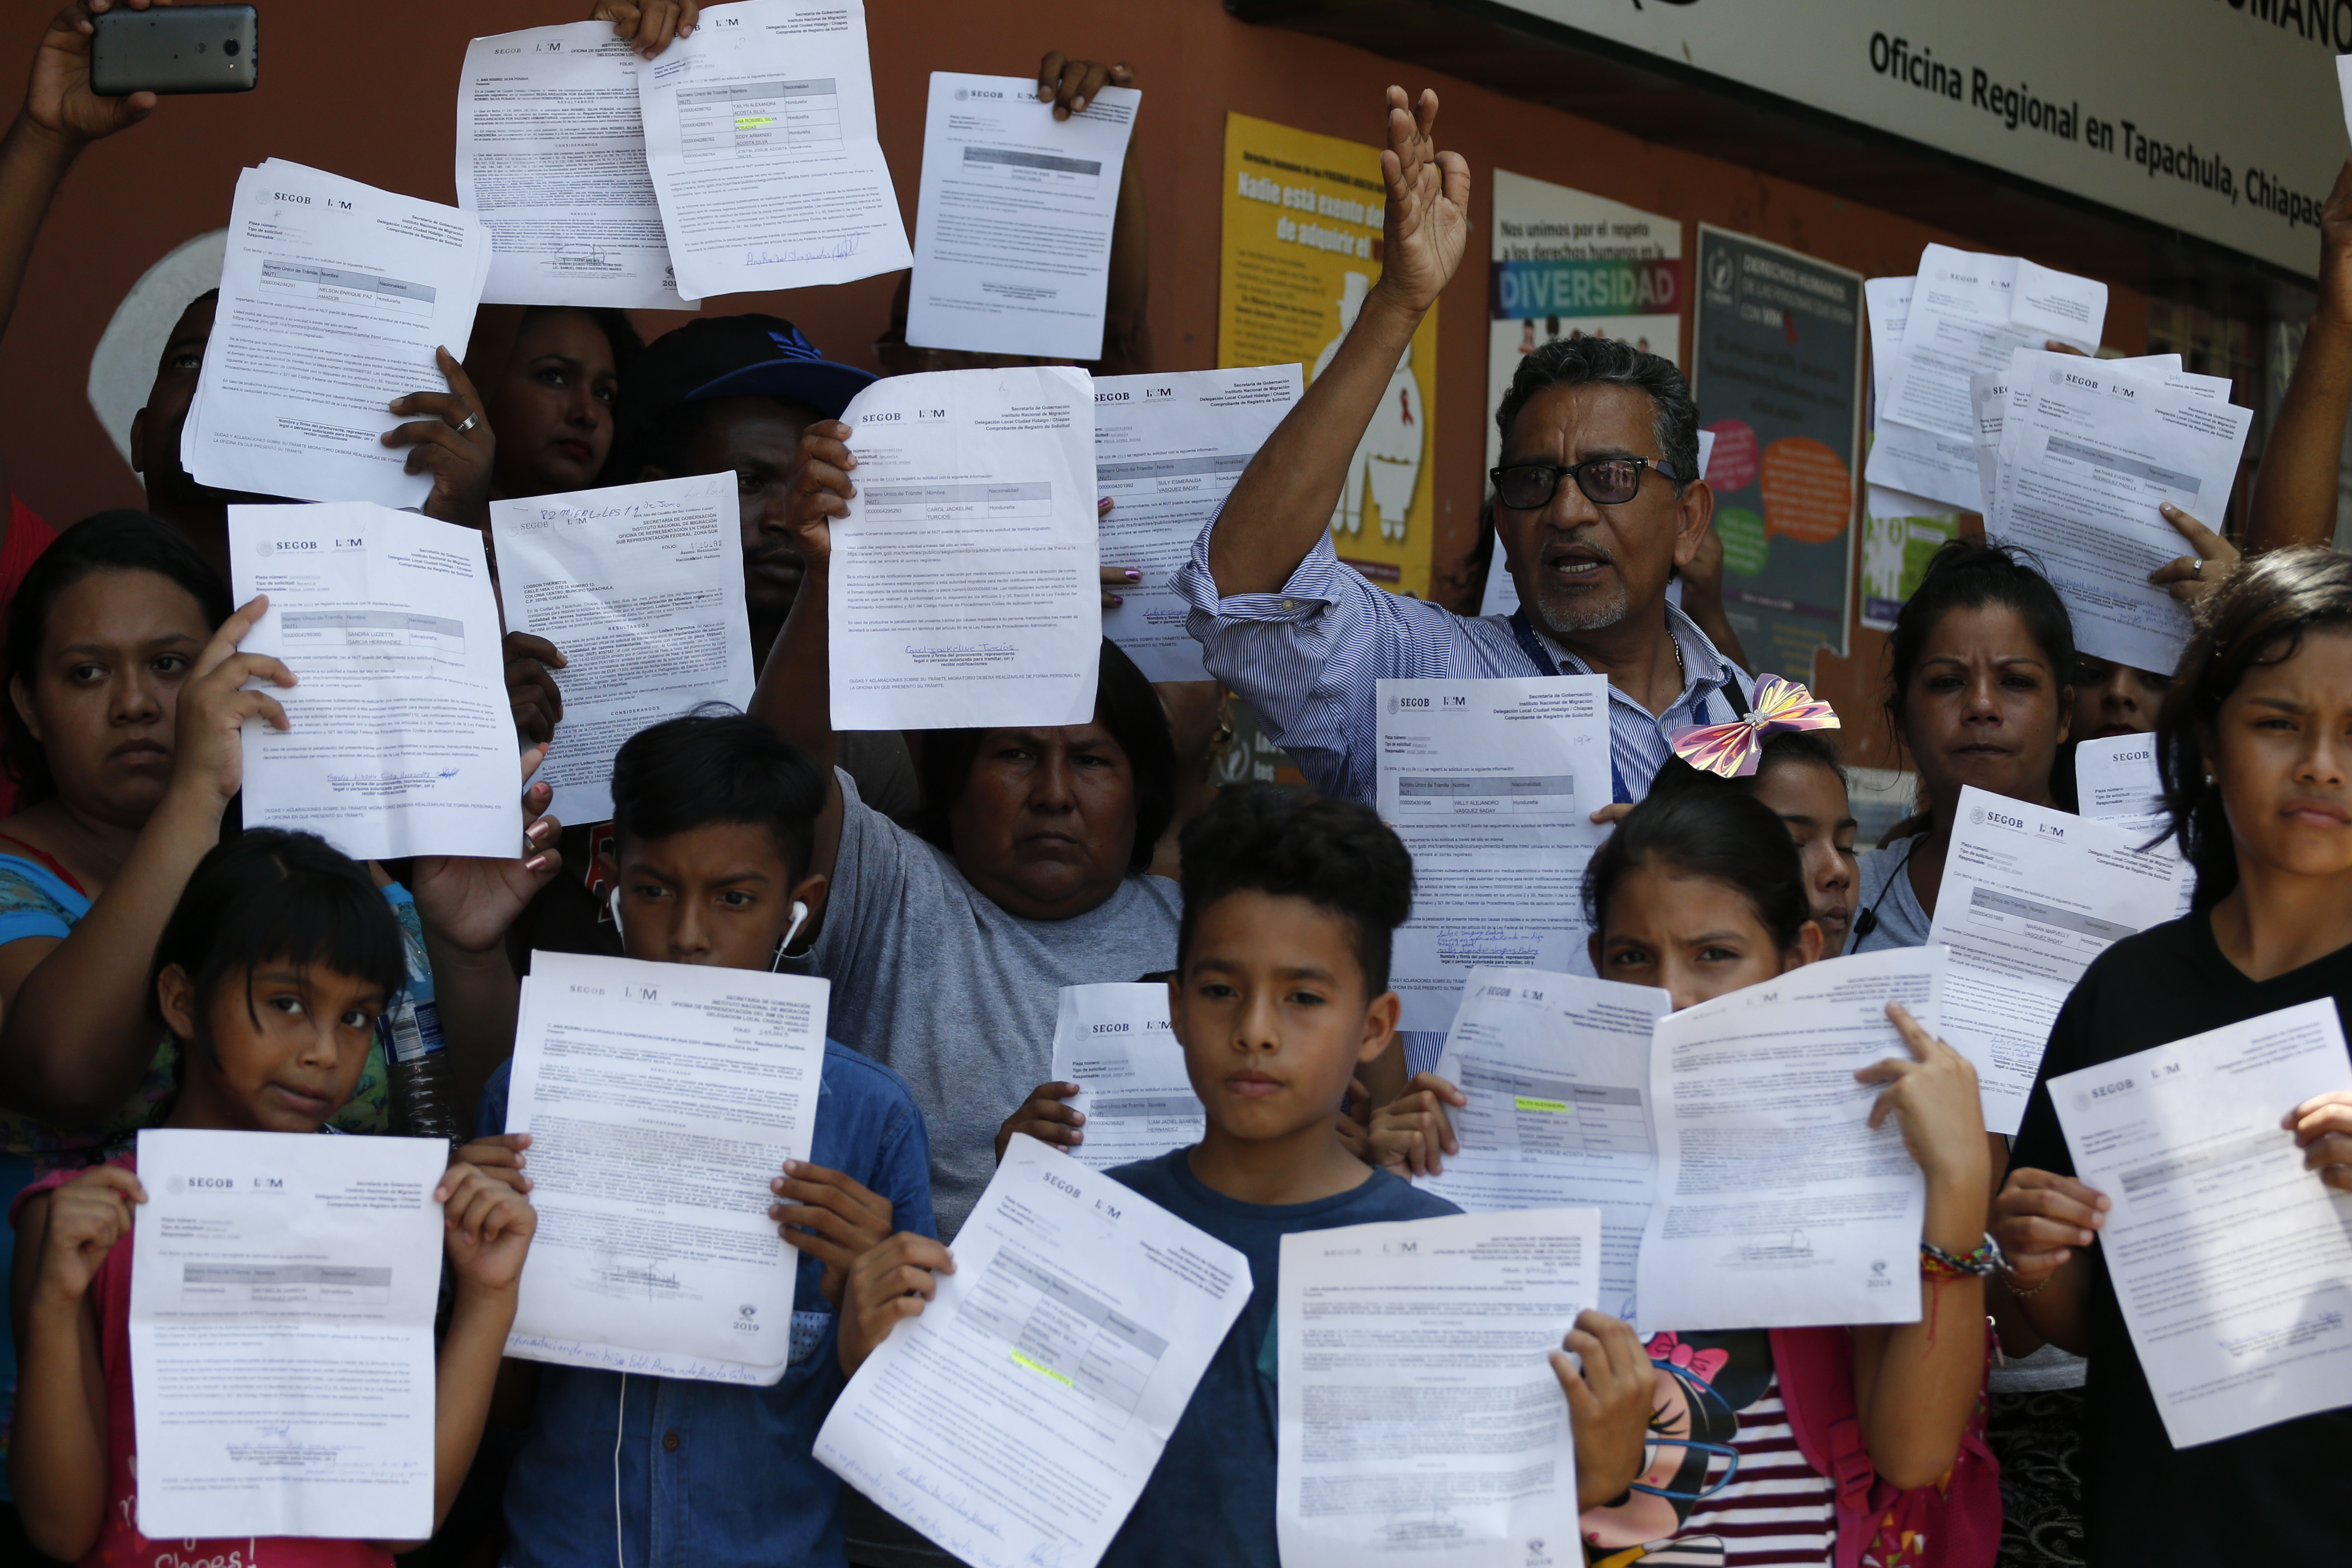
2196	569
471	420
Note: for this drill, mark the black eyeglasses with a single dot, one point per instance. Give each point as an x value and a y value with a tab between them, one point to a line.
1605	481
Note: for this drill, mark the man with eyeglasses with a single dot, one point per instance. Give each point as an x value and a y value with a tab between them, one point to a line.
1597	502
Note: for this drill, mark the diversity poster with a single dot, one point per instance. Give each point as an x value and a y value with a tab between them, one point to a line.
1570	263
1301	247
1776	363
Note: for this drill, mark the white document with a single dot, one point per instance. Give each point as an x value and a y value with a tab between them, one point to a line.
1556	1068
1778	1206
1052	1364
401	739
1887	303
1012	229
2118	777
2031	367
965	590
661	1100
1419	1418
2092	452
641	588
2344	86
760	136
333	297
1491	786
1988	395
1167	451
1968	311
2231	1262
282	1290
552	158
2031	896
1114	1042
1903	458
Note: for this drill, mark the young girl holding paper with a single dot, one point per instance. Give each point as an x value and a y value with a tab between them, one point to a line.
270	974
2255	742
1701	891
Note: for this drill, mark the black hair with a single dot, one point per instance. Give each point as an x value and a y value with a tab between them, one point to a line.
1963	575
1124	705
1792	748
1338	855
272	896
2261	616
118	541
716	766
1700	826
1612	361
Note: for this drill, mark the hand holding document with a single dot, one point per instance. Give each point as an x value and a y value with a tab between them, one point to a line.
1053	1364
641	586
333	297
2231	1262
2031	896
661	1098
551	157
400	739
1115	1043
2118	777
2090	452
760	135
1778	1206
1013	229
1420	1420
282	1292
963	589
1167	451
1491	786
1556	1068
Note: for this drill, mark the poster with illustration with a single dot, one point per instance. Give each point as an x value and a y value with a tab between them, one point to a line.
1776	363
1300	250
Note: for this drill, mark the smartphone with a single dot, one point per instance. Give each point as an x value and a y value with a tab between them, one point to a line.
175	49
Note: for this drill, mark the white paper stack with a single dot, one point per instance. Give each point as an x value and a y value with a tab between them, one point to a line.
1962	315
333	297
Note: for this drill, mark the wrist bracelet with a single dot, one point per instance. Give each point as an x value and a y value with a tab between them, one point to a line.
1981	1264
2016	1294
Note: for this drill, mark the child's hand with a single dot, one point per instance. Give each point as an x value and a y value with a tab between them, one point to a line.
2322	1125
87	1216
498	1156
889	1282
1935	1098
2039	1219
1411	1131
1355	1121
1044	1117
488	1225
831	1218
1608	1405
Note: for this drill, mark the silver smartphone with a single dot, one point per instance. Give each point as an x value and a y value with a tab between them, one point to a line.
175	49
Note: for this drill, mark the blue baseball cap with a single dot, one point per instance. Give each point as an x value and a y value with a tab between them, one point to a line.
733	356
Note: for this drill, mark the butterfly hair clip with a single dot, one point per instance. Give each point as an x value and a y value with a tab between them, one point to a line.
1731	749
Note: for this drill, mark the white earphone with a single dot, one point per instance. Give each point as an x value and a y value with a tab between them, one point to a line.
800	918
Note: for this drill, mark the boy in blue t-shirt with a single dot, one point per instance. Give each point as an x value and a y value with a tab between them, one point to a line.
712	819
1280	994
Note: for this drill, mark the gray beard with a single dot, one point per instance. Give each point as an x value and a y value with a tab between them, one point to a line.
1565	612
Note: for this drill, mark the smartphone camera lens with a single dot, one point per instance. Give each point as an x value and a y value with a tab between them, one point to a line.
229	48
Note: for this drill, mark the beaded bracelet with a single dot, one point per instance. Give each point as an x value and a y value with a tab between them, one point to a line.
2023	1295
1981	1264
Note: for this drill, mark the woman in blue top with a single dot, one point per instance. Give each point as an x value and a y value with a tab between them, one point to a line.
125	701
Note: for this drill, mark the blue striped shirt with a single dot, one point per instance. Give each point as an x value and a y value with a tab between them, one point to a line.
1309	660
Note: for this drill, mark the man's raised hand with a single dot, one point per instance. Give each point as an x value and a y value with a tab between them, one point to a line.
1427	222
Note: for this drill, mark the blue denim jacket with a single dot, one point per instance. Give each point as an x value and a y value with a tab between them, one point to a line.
712	1476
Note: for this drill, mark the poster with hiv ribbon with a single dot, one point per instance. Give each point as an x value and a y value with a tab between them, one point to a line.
1776	363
